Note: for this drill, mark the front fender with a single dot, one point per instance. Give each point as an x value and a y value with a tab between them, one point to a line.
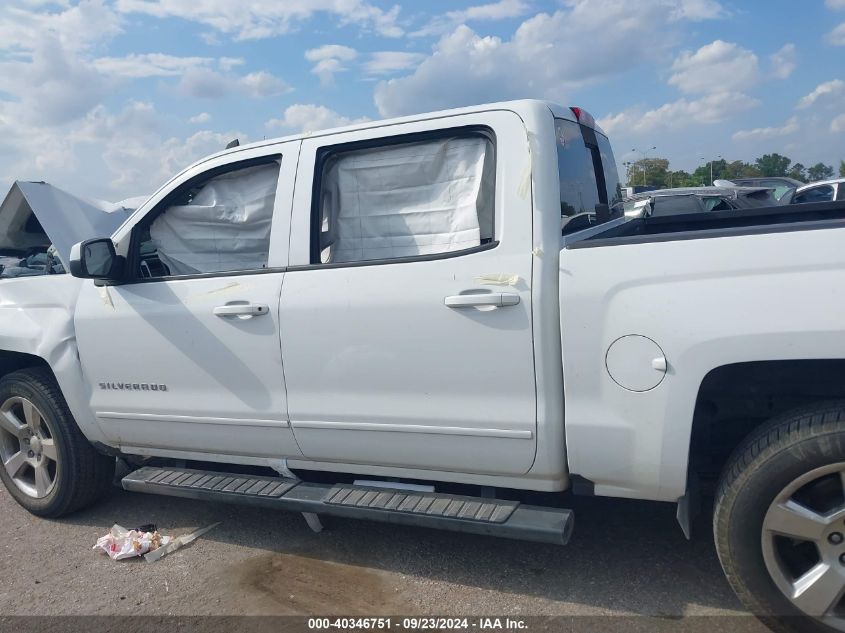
36	318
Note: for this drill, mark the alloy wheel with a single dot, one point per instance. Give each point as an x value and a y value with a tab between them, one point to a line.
27	447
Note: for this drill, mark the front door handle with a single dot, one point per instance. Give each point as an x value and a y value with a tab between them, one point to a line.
241	310
497	299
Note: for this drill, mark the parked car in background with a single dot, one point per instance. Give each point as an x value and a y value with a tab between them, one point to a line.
631	191
781	184
684	200
822	191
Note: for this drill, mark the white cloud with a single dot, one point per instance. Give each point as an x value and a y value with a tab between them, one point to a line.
500	10
228	63
199	119
53	86
263	84
259	19
828	89
548	56
763	133
205	83
329	60
715	67
838	124
837	35
307	117
331	51
709	109
783	62
835	4
75	28
386	62
111	155
137	66
699	10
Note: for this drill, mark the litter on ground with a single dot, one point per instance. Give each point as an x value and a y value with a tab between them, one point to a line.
145	541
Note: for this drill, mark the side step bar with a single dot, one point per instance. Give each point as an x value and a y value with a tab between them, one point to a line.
476	515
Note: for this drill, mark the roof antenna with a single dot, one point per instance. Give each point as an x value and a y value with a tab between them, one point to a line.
232	144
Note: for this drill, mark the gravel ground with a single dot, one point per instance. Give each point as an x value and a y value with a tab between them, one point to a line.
625	558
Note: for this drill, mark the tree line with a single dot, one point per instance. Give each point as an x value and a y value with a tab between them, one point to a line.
655	172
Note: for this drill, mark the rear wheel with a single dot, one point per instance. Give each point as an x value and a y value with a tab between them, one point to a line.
779	523
47	464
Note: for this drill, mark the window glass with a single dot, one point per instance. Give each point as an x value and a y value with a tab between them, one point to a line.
840	194
218	225
578	189
406	200
611	176
823	193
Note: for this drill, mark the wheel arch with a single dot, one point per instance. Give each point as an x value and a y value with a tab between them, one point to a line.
736	398
67	372
13	361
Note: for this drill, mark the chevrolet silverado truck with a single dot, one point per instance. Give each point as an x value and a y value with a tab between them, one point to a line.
424	320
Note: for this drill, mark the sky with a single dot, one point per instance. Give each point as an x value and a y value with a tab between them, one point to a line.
110	98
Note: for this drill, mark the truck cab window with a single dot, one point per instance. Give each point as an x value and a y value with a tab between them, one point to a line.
578	190
221	224
405	200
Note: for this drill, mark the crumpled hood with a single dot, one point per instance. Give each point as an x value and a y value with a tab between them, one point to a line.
65	218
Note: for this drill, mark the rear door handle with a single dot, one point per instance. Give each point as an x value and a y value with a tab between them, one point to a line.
241	309
498	299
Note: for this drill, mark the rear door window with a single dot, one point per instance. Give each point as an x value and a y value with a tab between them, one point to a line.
402	200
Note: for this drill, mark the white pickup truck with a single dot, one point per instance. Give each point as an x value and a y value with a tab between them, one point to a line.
419	320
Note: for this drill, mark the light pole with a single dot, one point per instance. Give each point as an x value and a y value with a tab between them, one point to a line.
719	156
645	156
628	164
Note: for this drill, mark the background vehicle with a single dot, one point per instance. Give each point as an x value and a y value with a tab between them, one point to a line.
781	184
630	191
385	320
822	191
698	200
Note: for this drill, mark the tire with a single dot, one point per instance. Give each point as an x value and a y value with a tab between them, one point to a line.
795	457
78	475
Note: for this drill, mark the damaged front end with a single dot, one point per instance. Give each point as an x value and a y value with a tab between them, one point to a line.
39	223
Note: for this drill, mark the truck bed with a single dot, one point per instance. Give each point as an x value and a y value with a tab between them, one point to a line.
693	293
817	215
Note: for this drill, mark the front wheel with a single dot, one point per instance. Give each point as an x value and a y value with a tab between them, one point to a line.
779	521
47	464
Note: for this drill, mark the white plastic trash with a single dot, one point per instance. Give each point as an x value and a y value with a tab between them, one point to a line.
121	543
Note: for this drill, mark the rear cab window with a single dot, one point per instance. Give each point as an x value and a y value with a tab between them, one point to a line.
587	174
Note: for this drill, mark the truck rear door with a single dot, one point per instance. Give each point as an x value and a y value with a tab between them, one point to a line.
406	310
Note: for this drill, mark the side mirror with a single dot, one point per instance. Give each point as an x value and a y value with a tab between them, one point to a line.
95	259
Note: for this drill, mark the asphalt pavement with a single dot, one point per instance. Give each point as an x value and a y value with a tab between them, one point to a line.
626	558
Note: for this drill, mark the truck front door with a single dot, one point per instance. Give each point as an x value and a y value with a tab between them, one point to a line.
184	354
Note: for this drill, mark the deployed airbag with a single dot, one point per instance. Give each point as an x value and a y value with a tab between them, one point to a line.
410	199
225	226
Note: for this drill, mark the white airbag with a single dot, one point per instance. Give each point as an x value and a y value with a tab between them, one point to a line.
226	226
411	199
